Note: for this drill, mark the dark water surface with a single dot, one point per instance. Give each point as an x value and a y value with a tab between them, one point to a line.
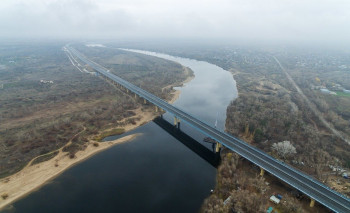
152	173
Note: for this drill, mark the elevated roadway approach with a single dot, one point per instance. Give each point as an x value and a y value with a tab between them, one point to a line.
316	190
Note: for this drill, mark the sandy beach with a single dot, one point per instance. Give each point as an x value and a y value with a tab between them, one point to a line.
33	177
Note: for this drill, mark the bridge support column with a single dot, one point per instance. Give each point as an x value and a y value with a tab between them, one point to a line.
156	108
144	101
135	96
262	172
217	147
176	122
127	91
312	203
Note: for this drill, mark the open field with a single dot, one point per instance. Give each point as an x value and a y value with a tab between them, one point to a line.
343	94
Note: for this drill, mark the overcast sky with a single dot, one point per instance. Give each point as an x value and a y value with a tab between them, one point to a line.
282	20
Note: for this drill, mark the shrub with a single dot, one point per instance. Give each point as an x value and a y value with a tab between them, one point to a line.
4	196
71	155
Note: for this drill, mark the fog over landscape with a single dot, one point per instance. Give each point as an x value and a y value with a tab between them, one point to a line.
271	20
174	106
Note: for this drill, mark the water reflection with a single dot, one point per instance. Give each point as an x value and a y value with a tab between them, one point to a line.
210	156
153	173
208	94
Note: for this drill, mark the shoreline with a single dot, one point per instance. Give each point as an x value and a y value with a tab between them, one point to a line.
32	177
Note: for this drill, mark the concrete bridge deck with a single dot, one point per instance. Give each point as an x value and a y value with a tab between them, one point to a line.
297	179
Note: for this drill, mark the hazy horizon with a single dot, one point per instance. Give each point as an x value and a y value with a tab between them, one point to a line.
305	22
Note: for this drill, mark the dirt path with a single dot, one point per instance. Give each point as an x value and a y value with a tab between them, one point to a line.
32	177
59	150
312	106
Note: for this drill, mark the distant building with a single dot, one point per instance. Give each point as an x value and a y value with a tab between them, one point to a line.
324	90
316	87
337	87
46	82
327	91
227	201
274	199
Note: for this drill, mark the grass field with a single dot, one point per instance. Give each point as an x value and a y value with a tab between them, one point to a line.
343	94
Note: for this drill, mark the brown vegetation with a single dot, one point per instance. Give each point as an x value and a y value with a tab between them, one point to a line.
243	193
117	131
240	188
282	115
45	157
269	109
4	196
37	118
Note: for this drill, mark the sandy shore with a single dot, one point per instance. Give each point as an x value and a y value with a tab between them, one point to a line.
177	93
32	177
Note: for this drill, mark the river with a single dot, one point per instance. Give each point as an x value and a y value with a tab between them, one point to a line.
152	173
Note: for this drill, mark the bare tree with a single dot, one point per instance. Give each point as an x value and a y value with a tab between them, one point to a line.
284	148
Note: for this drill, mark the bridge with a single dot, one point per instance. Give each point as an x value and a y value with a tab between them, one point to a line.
316	190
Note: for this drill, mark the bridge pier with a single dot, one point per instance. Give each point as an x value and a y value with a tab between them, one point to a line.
217	147
176	122
156	108
135	96
262	172
335	202
312	203
144	101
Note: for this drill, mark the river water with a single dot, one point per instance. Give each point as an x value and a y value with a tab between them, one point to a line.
152	173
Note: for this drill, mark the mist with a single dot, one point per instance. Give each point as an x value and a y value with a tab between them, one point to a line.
324	22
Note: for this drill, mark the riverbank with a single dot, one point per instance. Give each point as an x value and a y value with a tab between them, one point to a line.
255	116
33	177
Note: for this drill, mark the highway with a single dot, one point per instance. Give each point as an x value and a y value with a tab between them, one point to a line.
297	179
